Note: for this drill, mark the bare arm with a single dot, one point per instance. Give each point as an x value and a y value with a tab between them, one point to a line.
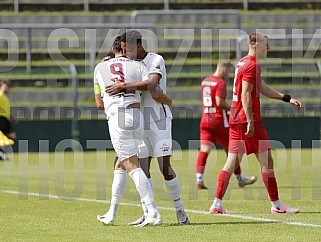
99	101
272	93
148	85
221	102
161	98
247	106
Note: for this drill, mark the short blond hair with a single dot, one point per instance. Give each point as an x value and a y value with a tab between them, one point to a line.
256	37
224	63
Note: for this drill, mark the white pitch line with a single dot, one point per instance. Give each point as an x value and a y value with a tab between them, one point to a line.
163	208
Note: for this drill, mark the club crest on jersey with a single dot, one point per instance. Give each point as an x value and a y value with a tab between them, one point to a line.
164	147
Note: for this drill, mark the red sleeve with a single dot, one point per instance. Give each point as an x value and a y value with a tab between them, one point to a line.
249	73
221	90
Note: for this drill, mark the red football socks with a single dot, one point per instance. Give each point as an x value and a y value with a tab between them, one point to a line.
271	185
222	183
201	162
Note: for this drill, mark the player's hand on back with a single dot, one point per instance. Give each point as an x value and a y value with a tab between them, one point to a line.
115	88
296	103
106	58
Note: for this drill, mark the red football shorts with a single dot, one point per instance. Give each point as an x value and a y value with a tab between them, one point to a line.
239	143
215	133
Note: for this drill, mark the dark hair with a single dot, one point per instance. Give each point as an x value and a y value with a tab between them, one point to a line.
132	37
2	82
116	45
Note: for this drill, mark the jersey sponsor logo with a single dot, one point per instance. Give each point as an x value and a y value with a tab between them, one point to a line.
209	83
165	147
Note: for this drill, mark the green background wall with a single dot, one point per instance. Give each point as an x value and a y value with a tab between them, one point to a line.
283	130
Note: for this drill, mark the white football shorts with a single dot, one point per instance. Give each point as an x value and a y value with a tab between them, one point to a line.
126	131
157	139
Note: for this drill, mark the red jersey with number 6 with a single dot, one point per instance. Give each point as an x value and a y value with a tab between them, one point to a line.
249	70
211	87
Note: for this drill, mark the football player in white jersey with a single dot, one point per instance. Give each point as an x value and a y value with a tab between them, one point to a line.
125	123
157	119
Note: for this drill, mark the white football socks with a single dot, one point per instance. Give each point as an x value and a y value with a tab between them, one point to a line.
117	189
174	191
145	190
276	204
199	177
217	203
143	203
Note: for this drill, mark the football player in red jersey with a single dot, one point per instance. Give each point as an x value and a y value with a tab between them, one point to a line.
214	127
247	131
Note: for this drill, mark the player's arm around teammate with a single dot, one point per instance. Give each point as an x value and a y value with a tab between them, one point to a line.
158	140
161	97
148	85
123	111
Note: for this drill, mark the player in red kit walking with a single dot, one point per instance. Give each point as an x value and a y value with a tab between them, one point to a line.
247	132
214	127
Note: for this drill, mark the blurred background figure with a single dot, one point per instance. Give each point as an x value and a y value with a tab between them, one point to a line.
8	135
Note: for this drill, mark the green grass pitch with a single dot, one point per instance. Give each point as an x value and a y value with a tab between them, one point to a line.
57	196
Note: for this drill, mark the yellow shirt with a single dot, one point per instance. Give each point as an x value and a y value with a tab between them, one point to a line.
4	106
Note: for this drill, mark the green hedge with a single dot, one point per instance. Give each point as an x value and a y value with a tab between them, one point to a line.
185	133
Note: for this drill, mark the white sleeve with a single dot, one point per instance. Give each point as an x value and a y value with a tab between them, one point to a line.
95	74
98	80
157	65
144	72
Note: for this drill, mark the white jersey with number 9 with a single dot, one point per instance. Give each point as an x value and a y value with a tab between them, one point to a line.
123	70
